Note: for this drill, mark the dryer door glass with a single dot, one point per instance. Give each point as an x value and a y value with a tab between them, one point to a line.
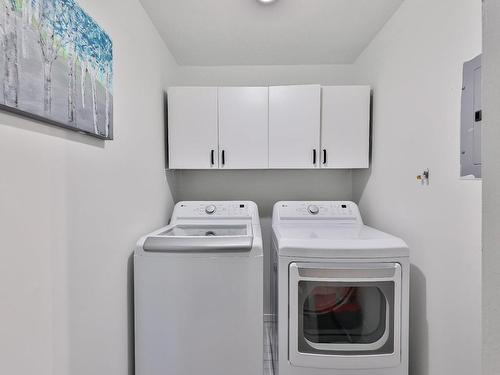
345	309
345	317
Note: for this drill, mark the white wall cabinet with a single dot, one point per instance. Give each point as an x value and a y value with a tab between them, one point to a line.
192	128
294	126
280	127
243	127
345	127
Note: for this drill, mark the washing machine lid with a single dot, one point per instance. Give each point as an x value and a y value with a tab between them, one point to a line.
200	236
336	240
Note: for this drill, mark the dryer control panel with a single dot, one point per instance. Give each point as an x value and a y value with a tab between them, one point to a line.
318	210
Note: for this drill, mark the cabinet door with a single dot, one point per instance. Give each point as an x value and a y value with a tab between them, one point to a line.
345	127
243	127
192	128
294	126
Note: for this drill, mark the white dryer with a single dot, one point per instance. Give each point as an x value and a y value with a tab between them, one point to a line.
340	292
198	292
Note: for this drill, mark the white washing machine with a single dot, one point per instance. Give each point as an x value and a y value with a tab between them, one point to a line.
198	292
340	292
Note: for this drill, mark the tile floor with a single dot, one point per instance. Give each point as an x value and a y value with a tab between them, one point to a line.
268	362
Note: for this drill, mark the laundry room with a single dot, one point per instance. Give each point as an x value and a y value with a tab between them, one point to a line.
268	187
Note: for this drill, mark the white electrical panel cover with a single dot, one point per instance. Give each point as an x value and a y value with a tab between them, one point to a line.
471	120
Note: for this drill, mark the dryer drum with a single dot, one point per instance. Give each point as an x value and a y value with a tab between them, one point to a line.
333	314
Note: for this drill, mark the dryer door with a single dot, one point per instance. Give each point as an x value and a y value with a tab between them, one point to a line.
345	315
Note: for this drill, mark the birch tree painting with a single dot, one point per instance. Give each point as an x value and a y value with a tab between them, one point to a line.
56	65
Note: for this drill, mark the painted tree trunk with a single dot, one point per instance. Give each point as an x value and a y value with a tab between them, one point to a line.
29	11
24	27
38	11
47	86
94	101
49	54
72	88
83	76
3	9
11	70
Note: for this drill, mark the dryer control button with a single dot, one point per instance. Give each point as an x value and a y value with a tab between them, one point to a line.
313	209
210	209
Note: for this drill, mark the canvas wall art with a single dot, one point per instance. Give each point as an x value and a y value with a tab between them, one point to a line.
56	65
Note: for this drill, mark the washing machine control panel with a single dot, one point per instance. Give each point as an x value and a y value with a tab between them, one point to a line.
346	211
231	209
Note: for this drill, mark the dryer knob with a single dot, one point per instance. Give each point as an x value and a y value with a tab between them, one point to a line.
210	209
313	209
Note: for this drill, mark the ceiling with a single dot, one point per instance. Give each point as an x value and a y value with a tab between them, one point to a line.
287	32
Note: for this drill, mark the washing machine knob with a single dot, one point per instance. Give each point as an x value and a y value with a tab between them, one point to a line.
313	209
210	209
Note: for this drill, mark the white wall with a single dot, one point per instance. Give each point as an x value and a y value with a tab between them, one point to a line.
415	67
491	189
265	75
71	209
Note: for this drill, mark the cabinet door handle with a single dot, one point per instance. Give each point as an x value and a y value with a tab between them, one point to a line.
212	157
223	157
314	157
324	156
